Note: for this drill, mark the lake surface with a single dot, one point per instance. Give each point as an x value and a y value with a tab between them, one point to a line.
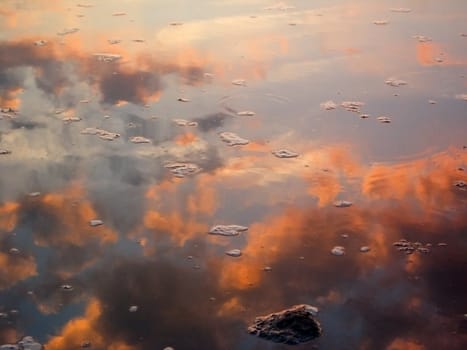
80	80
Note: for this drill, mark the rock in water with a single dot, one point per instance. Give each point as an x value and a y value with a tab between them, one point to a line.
291	326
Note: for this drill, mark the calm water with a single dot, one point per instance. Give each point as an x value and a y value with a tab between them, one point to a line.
205	62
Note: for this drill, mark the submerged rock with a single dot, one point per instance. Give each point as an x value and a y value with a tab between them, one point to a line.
291	326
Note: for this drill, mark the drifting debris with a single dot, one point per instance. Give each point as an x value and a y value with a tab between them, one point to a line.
400	10
4	151
103	134
116	14
280	6
139	139
227	230
328	105
68	31
183	169
462	97
133	308
183	99
342	204
285	153
381	22
246	113
384	120
114	41
96	222
422	38
395	82
107	57
233	139
460	184
234	253
408	248
338	250
66	287
71	119
239	82
40	42
139	40
291	326
183	122
365	249
352	106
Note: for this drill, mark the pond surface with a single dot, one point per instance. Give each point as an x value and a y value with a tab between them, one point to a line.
327	131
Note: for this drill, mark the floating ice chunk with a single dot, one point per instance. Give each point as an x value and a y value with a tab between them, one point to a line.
116	14
71	118
328	105
352	106
183	122
234	253
114	41
4	151
338	250
183	169
96	222
103	134
292	326
133	308
395	82
68	31
107	57
40	42
227	230
239	82
384	120
285	153
365	249
232	139
460	184
139	139
400	9
246	113
342	204
462	97
280	6
66	287
422	38
183	99
381	22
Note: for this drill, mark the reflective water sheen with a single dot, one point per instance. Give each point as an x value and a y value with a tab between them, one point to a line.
332	133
